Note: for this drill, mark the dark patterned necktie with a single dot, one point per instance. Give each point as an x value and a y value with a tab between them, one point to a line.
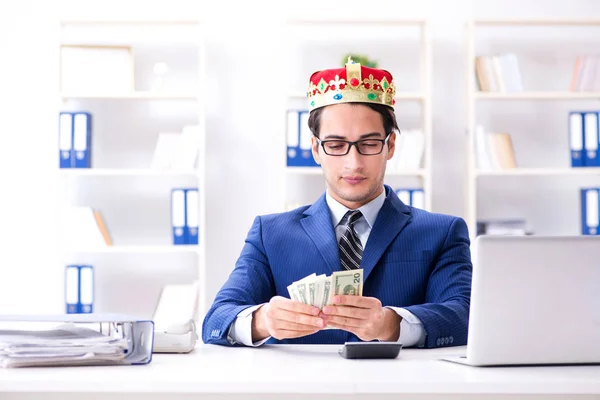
350	247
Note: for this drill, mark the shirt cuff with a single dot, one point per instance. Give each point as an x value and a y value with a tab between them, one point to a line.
241	329
412	332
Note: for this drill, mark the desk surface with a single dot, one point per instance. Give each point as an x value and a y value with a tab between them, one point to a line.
297	369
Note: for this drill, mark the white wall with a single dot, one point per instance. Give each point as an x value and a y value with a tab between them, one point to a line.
246	61
29	278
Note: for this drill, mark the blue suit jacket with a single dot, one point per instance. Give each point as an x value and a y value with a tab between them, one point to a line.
413	259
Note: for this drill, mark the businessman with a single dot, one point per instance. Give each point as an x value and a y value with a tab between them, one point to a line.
416	264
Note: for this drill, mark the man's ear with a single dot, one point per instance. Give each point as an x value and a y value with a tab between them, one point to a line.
315	150
391	145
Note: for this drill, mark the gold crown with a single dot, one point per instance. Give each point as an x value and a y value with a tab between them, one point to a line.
347	85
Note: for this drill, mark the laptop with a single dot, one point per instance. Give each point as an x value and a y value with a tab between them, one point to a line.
535	300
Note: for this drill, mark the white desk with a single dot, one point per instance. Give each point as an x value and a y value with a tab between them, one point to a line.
299	372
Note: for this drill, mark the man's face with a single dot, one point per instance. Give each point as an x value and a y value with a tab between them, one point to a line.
353	179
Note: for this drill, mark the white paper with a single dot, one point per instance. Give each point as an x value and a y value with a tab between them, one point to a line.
186	152
80	229
64	345
166	146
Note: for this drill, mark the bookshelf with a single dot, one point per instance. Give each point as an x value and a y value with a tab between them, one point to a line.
141	95
141	249
125	172
541	172
545	99
318	44
134	197
537	96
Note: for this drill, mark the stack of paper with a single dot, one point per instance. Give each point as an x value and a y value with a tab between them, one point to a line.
177	150
61	346
84	228
410	147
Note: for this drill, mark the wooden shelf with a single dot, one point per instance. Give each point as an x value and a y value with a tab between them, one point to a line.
381	22
538	95
475	174
141	249
536	22
80	185
541	172
124	172
420	96
404	96
167	22
130	96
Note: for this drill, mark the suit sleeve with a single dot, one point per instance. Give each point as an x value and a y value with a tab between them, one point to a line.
250	283
445	314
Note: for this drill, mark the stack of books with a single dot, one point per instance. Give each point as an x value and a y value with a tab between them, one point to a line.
494	150
586	74
498	73
516	226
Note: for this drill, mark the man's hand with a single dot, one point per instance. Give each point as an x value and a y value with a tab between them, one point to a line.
363	316
283	318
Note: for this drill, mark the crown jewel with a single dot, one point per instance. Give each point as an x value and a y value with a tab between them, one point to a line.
352	84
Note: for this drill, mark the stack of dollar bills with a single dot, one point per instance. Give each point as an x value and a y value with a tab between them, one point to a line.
318	290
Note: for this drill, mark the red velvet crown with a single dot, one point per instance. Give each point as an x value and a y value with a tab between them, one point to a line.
352	84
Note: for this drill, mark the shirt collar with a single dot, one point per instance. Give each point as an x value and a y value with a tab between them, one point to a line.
369	210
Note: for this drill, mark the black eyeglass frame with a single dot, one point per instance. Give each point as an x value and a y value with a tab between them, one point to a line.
355	144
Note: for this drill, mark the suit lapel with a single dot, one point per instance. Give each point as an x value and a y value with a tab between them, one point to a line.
392	218
319	228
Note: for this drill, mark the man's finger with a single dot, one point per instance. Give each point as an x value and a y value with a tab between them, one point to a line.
297	307
351	311
350	329
356	301
308	321
292	326
284	333
344	322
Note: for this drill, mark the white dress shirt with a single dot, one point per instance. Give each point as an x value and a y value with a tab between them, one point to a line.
412	332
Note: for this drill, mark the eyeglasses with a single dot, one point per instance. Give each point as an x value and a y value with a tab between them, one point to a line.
366	147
